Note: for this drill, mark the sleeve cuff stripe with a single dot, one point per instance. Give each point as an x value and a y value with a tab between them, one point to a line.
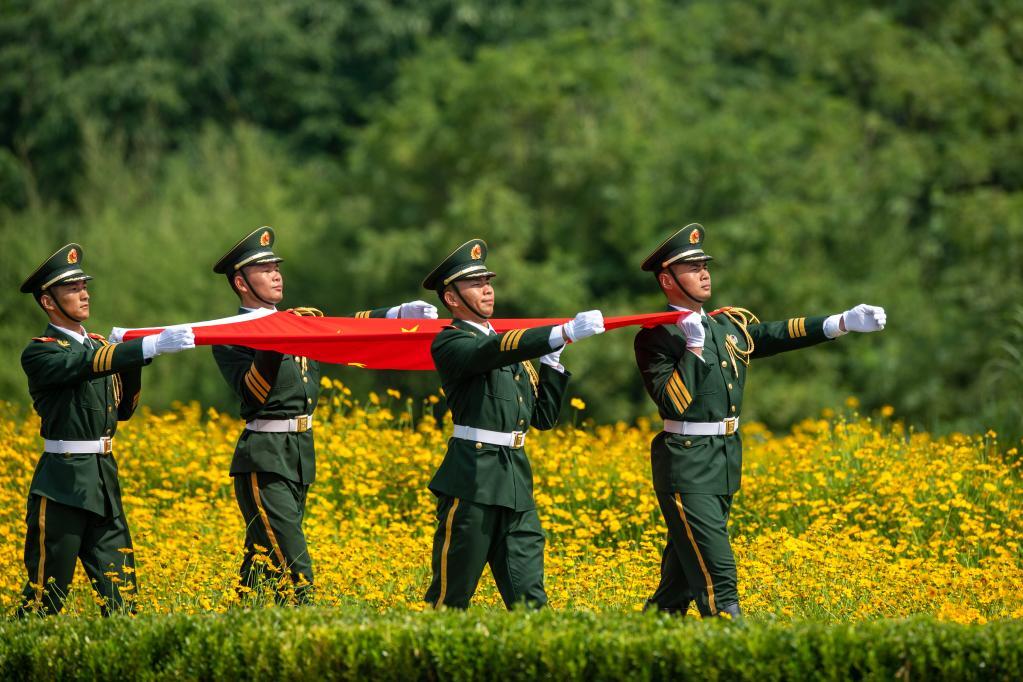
677	380
108	359
797	327
675	400
256	387
96	358
510	340
676	397
260	381
103	358
250	383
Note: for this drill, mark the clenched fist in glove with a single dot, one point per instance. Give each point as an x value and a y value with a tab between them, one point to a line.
170	340
419	310
116	334
691	324
864	318
585	324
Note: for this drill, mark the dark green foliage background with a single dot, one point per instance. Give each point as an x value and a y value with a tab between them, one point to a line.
837	152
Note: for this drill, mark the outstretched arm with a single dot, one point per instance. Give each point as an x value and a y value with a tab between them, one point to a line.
770	338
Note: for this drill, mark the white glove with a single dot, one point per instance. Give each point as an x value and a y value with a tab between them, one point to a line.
419	310
864	318
553	359
585	324
691	324
116	335
170	340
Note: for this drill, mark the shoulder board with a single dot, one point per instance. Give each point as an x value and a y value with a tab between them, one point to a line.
43	338
99	337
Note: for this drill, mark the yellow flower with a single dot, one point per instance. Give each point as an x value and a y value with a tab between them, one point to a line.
861	519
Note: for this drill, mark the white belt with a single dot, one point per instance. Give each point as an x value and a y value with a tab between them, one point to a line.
722	428
515	439
296	425
103	446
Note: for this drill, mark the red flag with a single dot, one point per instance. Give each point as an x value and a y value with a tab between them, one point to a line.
373	343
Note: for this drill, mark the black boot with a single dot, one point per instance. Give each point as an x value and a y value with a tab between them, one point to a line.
674	611
733	611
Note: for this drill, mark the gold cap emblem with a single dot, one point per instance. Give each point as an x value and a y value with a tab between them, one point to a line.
694	237
476	253
72	256
264	239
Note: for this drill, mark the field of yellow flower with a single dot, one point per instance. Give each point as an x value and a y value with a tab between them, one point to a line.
844	518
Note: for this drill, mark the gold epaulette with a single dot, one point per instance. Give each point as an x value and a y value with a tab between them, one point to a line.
306	312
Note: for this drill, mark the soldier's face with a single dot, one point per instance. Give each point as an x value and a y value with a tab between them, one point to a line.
266	281
694	278
73	299
478	293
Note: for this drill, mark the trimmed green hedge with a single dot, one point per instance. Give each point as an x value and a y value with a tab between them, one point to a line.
317	644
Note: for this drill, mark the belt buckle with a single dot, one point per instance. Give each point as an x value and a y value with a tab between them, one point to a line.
730	426
107	444
303	423
518	439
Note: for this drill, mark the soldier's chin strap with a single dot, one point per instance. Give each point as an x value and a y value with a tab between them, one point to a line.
683	289
252	289
461	298
49	292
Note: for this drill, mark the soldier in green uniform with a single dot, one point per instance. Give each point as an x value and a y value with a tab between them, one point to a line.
485	510
695	371
81	386
274	461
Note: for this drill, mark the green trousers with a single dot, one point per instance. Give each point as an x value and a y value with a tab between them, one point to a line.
56	537
697	562
469	536
273	508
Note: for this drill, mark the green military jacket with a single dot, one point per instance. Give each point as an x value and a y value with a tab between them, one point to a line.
490	384
688	388
80	393
274	386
